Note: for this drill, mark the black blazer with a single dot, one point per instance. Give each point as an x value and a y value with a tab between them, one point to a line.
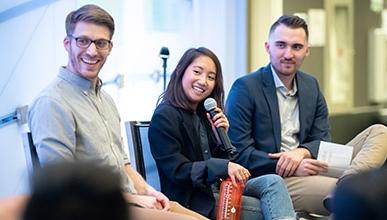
175	145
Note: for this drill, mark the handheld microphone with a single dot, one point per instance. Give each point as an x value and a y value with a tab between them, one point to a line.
230	195
210	105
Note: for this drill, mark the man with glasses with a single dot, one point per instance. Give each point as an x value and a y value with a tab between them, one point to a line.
73	119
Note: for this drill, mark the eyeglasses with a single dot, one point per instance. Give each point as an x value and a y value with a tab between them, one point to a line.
84	42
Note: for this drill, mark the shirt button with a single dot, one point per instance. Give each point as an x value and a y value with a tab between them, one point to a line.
206	151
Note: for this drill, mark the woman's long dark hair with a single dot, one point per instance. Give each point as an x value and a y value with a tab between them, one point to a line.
175	95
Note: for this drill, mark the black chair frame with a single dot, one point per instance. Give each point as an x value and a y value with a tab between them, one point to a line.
31	155
137	145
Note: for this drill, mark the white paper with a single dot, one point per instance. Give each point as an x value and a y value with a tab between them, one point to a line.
336	155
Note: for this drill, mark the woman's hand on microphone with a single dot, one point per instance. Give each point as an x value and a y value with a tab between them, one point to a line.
238	173
219	119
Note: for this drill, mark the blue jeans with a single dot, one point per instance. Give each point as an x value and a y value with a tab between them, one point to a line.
251	208
274	199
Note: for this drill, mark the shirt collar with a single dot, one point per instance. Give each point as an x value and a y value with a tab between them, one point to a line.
84	84
280	86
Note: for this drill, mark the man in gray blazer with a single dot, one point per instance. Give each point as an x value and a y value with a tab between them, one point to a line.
278	116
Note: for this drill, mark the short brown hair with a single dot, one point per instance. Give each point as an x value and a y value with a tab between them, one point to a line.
290	21
90	14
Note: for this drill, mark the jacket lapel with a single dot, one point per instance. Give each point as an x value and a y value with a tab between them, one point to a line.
303	96
269	91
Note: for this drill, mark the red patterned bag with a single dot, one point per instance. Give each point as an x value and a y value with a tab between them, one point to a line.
230	200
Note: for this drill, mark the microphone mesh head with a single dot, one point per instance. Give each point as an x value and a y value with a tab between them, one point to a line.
210	104
164	52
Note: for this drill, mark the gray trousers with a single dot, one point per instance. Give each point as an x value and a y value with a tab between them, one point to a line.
370	151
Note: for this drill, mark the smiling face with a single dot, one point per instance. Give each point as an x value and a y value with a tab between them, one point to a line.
287	48
199	79
87	62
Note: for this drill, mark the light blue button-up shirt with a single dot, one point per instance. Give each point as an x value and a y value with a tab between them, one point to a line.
72	120
289	113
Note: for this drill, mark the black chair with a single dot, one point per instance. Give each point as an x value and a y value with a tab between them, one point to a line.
31	155
140	152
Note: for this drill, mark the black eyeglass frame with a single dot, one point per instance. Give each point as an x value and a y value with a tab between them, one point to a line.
90	41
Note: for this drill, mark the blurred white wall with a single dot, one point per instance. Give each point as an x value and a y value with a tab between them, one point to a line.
31	53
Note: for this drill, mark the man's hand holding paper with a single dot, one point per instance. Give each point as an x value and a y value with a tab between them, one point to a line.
336	155
310	167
